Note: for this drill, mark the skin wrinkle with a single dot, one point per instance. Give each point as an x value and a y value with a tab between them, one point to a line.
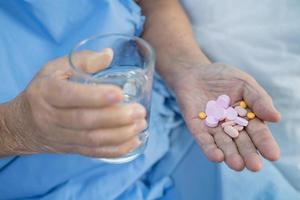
217	85
30	117
3	129
207	144
14	143
190	74
257	133
213	85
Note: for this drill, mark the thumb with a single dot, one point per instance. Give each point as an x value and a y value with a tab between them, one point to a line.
85	61
91	62
260	102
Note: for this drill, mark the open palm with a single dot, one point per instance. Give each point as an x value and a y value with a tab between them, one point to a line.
198	84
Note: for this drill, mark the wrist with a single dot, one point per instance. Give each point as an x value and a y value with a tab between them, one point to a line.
4	133
7	141
12	129
175	69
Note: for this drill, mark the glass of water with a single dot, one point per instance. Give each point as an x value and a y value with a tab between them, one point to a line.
131	69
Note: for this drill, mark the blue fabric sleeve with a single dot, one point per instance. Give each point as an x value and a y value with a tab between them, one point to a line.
38	31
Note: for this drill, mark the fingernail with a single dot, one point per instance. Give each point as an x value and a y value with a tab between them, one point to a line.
113	98
108	51
138	112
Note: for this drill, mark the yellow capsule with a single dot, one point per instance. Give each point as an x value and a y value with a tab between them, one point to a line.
243	104
202	115
250	115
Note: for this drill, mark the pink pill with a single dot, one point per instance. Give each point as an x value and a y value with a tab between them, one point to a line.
241	111
211	121
228	123
241	121
232	132
238	127
223	101
210	107
231	114
215	110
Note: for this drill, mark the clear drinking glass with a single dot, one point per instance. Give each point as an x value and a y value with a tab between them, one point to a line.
131	69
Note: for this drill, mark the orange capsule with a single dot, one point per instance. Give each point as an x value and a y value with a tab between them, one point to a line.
202	115
250	115
243	104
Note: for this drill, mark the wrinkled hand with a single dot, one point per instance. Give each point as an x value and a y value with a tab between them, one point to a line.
198	84
57	115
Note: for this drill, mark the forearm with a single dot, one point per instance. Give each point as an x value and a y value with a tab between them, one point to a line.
169	31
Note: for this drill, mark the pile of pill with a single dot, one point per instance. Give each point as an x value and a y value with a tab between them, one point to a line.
233	119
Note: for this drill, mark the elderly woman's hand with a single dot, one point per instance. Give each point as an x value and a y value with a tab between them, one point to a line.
56	115
196	84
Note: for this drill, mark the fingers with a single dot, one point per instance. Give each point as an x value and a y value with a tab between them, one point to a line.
260	102
209	147
102	137
262	138
61	93
110	151
58	91
108	117
227	145
248	152
205	141
115	136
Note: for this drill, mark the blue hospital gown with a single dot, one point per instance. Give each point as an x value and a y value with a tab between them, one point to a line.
34	32
172	167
